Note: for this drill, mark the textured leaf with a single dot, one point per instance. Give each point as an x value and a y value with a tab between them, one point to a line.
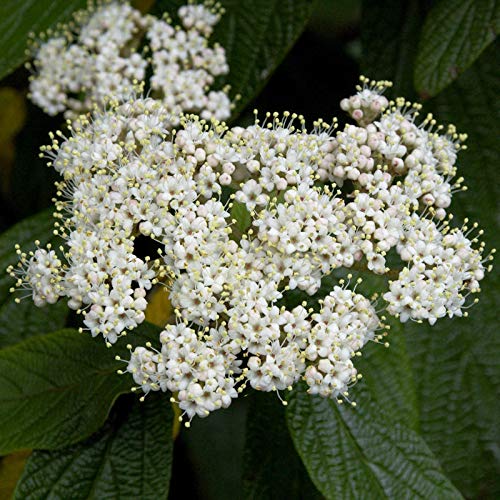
454	35
361	452
389	34
257	34
19	321
455	378
456	362
272	471
130	457
56	389
388	376
19	18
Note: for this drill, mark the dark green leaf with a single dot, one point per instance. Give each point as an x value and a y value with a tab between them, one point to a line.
257	34
57	389
387	374
19	18
20	321
130	457
454	35
361	452
272	468
455	378
456	362
214	446
389	34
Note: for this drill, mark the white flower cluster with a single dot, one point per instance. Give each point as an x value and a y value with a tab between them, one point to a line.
234	219
98	57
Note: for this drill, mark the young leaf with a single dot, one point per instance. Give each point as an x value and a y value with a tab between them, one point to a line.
272	468
20	321
454	35
361	452
130	457
56	389
19	19
257	34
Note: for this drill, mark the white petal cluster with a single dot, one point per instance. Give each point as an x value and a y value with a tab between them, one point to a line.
109	48
232	220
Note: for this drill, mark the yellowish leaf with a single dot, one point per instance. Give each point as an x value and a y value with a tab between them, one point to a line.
11	468
159	310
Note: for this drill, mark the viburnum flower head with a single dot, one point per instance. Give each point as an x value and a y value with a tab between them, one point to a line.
97	57
240	222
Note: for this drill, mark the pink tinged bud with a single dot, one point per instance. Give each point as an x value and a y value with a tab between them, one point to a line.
212	161
376	105
357	114
365	150
228	168
225	179
339	172
428	199
398	165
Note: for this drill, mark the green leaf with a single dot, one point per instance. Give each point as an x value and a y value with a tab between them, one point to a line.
456	362
389	34
242	216
388	376
257	34
272	468
19	18
454	35
361	452
130	457
20	321
57	389
453	371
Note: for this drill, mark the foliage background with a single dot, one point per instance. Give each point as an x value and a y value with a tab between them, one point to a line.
442	383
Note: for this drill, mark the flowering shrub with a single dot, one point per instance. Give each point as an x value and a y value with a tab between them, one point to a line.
288	255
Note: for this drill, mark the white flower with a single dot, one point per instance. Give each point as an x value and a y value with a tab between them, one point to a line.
140	206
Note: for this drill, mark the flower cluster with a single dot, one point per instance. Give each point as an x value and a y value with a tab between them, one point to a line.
98	57
233	219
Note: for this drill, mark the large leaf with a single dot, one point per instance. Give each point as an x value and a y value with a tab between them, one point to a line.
455	377
361	452
57	389
272	468
387	374
257	34
19	18
130	457
19	321
456	362
454	35
389	30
